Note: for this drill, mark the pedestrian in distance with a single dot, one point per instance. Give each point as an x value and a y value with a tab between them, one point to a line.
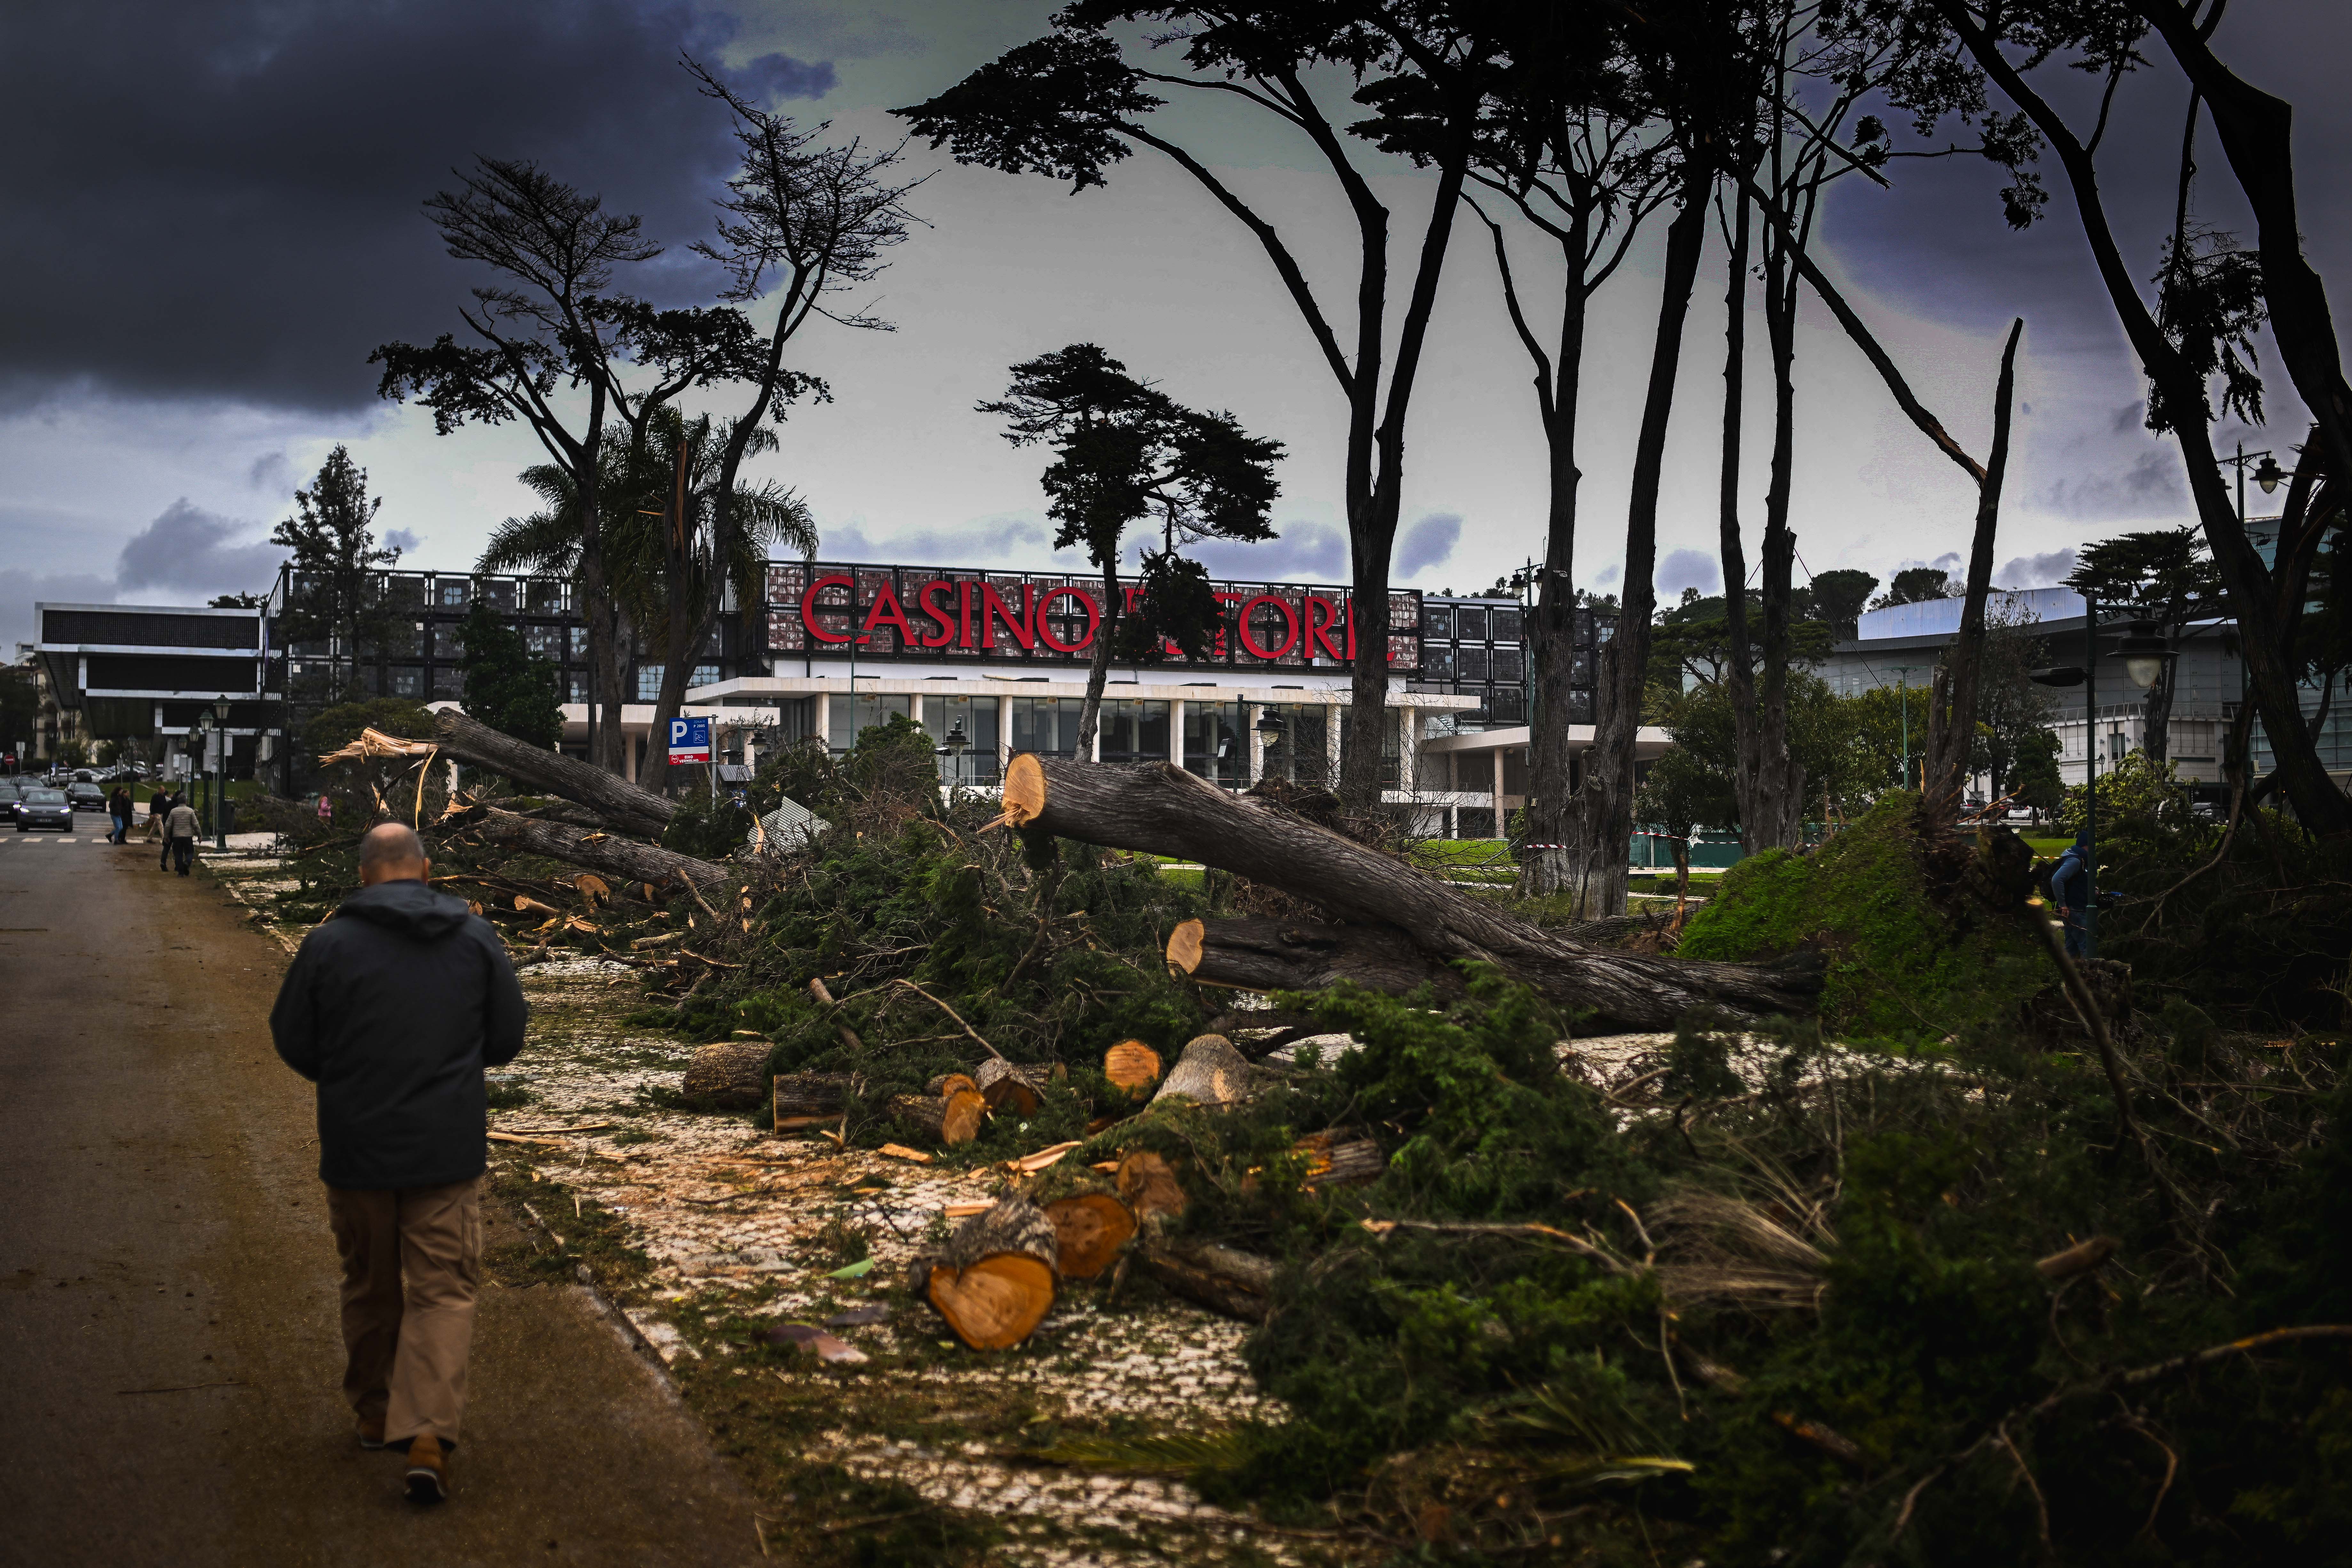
158	815
180	838
120	810
326	811
394	1007
2070	888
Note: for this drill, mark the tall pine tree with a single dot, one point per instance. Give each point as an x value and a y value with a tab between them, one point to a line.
331	598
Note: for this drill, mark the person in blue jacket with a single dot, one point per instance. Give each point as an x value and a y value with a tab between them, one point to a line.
2070	888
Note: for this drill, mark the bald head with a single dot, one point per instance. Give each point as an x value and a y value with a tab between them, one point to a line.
392	853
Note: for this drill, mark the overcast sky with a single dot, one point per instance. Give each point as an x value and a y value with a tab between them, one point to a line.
210	214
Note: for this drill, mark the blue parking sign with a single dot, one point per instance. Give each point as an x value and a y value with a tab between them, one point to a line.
689	741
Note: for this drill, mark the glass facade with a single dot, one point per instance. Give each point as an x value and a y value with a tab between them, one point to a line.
1047	725
851	716
977	763
1216	742
1134	732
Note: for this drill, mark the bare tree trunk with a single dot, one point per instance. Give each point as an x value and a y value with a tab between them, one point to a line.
1546	867
2155	710
1739	666
1604	817
1098	665
1952	702
606	854
619	804
1779	791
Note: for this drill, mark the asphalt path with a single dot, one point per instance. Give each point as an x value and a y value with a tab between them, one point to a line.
167	1285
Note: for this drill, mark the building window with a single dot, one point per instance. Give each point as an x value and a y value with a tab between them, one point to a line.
1437	661
578	680
579	644
1472	621
444	640
451	592
407	680
1216	742
448	684
1134	732
1437	622
649	679
977	764
1471	664
1511	663
1047	725
1506	625
544	642
1302	752
704	675
851	717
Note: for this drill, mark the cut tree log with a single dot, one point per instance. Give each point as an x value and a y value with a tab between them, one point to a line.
948	1082
1089	1229
1163	810
949	1119
1208	1072
1253	953
1238	1284
614	799
813	1094
1003	1084
605	853
726	1074
994	1282
1148	1185
1341	1158
1133	1065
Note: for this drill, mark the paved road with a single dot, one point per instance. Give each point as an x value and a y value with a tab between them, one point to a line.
167	1332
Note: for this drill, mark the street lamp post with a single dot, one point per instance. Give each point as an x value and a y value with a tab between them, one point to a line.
952	748
1905	671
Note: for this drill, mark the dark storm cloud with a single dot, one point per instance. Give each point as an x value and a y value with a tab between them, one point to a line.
2148	486
1306	553
1429	542
189	550
1689	569
2045	571
219	198
1007	542
1937	244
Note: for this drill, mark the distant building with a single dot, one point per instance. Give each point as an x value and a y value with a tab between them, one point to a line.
143	673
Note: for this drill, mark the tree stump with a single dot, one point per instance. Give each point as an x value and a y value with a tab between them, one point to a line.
1002	1084
1089	1229
726	1074
812	1094
994	1282
1133	1065
1209	1072
951	1119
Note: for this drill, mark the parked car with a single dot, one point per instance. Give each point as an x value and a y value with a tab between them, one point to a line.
85	797
11	791
44	808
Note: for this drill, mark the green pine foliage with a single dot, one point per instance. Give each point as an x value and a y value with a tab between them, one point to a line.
1904	961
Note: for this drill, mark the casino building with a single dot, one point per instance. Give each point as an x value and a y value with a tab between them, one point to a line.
991	663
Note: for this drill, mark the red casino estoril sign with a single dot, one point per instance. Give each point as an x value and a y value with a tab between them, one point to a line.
927	613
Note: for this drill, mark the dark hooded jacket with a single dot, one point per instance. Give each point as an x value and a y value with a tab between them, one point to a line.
393	1008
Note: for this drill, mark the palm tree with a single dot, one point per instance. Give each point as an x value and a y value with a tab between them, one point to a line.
672	550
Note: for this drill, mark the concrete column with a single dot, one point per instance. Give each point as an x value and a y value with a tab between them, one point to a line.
1003	734
915	707
1501	831
1408	750
1251	713
1331	745
824	717
1095	753
1176	732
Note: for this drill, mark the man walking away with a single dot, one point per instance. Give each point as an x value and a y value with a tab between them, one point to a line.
393	1009
158	814
119	808
2070	883
180	837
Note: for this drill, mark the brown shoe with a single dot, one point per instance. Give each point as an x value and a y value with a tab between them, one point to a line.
428	1471
370	1432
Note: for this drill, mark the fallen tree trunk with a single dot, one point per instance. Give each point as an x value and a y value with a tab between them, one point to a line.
1252	954
817	1094
1002	1084
613	798
605	853
1089	1229
1238	1284
726	1074
949	1119
994	1282
1163	810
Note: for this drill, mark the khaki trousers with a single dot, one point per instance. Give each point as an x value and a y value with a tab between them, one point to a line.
406	1344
